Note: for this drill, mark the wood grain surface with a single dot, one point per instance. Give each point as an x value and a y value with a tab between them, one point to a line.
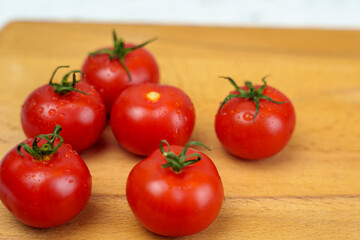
310	190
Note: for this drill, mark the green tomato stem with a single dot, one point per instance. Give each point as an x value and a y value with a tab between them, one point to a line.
65	86
178	162
251	93
47	149
119	51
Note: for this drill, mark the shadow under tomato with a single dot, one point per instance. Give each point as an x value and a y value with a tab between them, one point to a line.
88	214
282	157
103	142
221	225
108	144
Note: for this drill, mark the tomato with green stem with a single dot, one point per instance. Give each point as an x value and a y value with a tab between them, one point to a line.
75	105
175	191
111	70
254	122
44	182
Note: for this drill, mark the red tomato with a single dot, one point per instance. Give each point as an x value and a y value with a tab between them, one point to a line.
83	117
252	132
46	190
174	202
111	70
144	114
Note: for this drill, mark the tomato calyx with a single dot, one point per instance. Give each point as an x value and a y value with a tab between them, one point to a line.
119	51
251	93
178	162
47	149
65	86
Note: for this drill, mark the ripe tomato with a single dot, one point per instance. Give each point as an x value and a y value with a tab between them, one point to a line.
144	114
111	70
80	111
255	122
45	186
173	194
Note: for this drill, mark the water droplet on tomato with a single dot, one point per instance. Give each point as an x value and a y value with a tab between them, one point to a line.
54	98
178	111
101	107
52	112
71	180
248	116
113	69
176	133
67	156
62	116
40	110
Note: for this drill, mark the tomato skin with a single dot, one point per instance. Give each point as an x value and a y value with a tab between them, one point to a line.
44	194
175	204
139	124
271	131
83	117
109	77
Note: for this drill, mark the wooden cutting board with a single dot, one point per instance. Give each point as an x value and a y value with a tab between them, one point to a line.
310	190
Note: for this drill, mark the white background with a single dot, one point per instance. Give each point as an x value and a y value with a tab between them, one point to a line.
333	14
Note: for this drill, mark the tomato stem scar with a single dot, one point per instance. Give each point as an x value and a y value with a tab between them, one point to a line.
47	149
153	96
178	162
251	93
